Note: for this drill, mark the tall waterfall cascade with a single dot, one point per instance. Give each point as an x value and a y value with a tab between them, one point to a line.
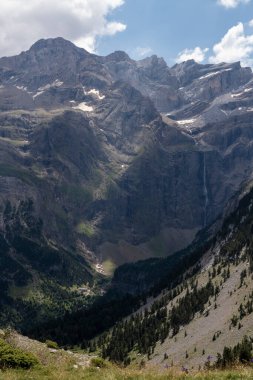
205	191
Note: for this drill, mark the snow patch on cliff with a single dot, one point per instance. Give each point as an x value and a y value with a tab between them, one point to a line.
83	107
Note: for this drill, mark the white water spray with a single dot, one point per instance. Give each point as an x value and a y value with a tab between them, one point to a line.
205	192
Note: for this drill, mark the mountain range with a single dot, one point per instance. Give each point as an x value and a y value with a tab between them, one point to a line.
106	161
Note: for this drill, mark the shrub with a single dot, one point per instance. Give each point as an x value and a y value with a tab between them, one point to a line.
52	344
98	362
15	358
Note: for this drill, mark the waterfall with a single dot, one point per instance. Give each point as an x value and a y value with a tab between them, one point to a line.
205	192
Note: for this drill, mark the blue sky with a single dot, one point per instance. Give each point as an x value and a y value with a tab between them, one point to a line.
205	30
167	27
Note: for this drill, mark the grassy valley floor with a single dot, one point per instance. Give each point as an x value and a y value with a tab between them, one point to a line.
115	373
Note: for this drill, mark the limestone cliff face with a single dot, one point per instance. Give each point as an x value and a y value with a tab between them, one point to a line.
117	153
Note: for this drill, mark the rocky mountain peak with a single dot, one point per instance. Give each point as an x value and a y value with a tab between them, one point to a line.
118	56
229	76
154	60
55	50
46	61
185	64
186	71
55	43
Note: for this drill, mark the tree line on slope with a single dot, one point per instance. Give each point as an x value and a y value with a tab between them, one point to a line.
142	331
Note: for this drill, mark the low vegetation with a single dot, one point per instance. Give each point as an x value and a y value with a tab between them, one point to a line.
11	357
116	373
52	344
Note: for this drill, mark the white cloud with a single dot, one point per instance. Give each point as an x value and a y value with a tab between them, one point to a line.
232	3
234	46
251	23
197	54
81	21
141	52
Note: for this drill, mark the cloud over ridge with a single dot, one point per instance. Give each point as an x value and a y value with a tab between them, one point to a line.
82	22
197	54
234	46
